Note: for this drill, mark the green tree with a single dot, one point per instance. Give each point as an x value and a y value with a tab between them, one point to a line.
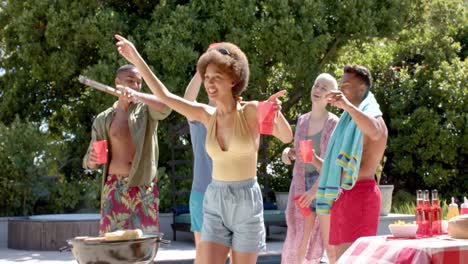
25	161
46	44
31	181
421	81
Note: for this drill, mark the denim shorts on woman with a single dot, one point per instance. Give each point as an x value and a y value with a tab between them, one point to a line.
233	215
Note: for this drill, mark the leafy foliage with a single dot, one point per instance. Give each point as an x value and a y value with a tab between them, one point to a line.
415	49
409	208
24	163
421	82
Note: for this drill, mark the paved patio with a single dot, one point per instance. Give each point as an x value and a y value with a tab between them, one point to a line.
178	252
181	251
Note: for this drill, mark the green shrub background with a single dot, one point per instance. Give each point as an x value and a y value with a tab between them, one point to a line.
416	51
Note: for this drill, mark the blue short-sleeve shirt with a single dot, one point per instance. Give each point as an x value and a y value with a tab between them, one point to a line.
202	167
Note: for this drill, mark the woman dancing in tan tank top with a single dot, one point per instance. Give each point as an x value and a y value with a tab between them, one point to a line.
233	207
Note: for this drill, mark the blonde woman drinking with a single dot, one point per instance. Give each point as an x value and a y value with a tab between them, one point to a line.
303	242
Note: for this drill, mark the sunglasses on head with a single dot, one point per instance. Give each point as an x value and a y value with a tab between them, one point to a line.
223	51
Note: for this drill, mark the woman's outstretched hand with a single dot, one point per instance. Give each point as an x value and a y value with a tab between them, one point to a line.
127	49
276	102
281	128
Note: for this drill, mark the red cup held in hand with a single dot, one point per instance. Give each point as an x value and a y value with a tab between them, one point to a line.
305	211
306	150
265	117
100	148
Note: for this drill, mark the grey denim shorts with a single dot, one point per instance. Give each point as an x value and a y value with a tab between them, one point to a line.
233	215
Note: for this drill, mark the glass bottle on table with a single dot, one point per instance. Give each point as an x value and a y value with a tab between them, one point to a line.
419	215
452	210
427	214
436	224
464	206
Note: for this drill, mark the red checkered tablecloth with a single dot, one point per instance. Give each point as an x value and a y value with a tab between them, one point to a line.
383	249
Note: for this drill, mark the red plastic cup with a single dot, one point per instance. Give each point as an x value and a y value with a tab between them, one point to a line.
305	211
100	148
306	150
265	117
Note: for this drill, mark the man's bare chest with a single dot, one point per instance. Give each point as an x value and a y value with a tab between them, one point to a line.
119	128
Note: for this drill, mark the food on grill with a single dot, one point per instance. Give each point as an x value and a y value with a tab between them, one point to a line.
123	234
81	238
88	238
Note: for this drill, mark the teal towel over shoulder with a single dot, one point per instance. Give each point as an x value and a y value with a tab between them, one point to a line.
344	153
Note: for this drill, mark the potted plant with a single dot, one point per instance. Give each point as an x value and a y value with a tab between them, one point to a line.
386	190
280	186
282	200
279	178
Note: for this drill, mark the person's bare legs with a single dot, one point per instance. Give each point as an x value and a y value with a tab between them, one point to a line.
341	248
324	221
243	258
197	236
308	225
211	253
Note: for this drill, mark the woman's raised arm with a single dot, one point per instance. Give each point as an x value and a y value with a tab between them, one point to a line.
191	110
